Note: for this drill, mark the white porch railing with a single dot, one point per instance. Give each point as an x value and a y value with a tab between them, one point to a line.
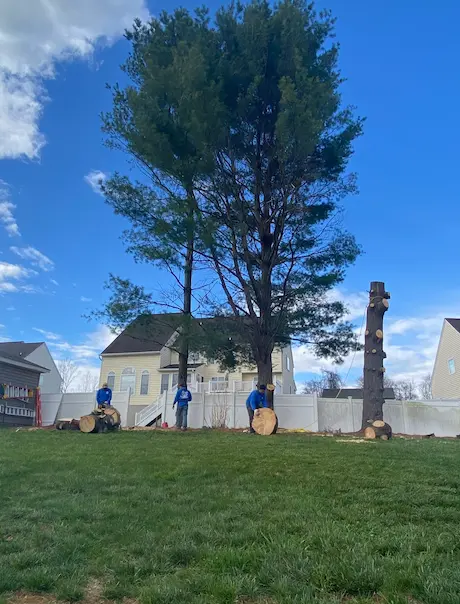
218	386
247	386
150	413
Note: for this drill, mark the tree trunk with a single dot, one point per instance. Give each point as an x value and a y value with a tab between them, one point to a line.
265	375
187	307
373	355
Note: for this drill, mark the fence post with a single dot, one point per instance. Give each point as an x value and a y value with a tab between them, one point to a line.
315	413
404	417
234	409
204	410
350	400
165	406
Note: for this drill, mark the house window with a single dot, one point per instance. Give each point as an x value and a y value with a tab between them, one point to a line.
451	364
145	382
164	382
111	380
288	363
128	380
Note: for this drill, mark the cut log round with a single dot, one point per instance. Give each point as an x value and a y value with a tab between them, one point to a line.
88	423
111	411
381	431
378	423
265	422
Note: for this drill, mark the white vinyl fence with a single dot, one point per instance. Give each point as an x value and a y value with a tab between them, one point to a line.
438	417
307	412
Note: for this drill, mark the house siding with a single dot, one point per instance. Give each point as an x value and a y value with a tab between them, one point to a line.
443	384
140	362
51	382
153	363
18	376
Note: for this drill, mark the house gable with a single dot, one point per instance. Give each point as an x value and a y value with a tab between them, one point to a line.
445	383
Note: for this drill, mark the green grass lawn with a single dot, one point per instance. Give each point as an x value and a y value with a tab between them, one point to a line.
222	518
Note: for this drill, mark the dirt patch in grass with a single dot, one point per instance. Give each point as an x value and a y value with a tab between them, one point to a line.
93	595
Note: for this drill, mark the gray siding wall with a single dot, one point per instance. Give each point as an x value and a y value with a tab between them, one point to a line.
51	382
18	376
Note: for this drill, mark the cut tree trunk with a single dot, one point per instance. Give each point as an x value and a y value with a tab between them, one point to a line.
374	355
114	413
88	423
378	429
100	420
265	422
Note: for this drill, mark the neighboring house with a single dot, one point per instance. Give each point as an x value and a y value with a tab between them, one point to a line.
37	353
19	380
147	366
356	393
445	381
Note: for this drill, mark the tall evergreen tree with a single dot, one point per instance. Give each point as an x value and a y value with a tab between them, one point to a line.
164	121
274	238
240	132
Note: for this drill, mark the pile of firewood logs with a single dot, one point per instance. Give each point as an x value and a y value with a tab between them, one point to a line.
103	419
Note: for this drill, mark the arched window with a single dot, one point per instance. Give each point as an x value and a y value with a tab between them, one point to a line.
128	380
111	380
145	382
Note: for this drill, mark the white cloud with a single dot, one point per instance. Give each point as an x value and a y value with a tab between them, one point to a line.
35	257
83	299
49	335
34	36
12	271
88	349
6	207
54	282
410	342
95	178
11	308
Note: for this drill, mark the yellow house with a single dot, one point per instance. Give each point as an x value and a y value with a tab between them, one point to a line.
141	359
445	381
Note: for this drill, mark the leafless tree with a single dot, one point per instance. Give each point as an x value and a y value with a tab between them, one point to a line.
387	382
425	388
69	371
328	379
88	382
406	390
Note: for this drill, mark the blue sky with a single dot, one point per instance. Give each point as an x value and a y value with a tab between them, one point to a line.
59	241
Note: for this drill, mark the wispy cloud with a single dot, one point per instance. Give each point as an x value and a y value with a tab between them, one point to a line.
6	211
95	178
11	308
34	256
88	349
49	335
12	271
83	299
32	42
54	282
410	343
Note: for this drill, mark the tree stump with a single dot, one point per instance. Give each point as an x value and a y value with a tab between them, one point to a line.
265	422
378	429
